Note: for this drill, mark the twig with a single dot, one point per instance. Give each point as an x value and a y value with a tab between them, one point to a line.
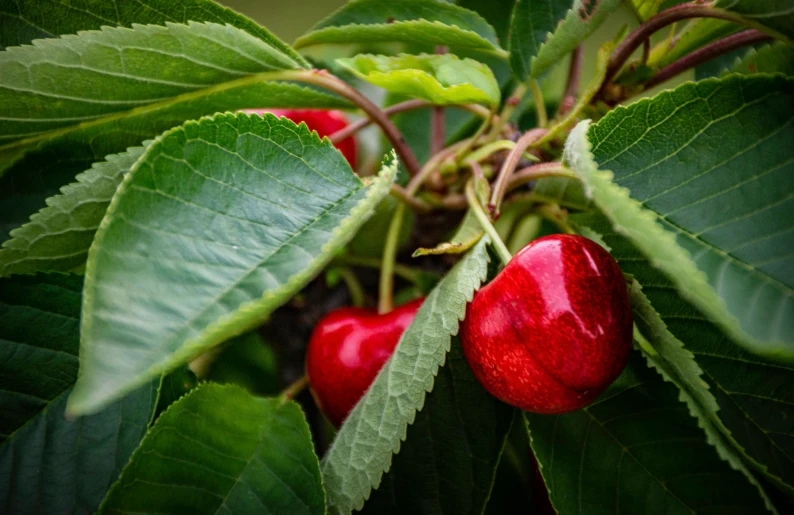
432	164
539	171
509	166
414	203
574	77
438	129
707	53
507	111
295	388
479	213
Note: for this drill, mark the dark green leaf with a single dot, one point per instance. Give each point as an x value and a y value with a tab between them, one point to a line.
497	14
247	361
777	15
51	464
636	450
774	58
531	24
221	450
449	457
429	22
217	224
372	433
709	169
23	21
173	387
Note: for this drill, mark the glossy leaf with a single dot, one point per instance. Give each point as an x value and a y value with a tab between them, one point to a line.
448	460
222	450
21	22
373	431
429	22
582	20
709	173
51	464
744	396
636	450
775	14
531	24
56	160
439	79
217	224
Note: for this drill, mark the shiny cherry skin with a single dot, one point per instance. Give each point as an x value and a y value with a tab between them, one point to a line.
322	121
553	330
347	349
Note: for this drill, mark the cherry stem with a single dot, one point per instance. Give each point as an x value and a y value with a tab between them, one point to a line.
509	166
707	53
539	171
507	111
386	286
414	203
339	87
432	165
357	296
540	104
657	22
574	78
479	213
408	105
295	388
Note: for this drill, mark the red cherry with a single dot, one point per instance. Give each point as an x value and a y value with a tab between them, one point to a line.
347	349
554	329
324	122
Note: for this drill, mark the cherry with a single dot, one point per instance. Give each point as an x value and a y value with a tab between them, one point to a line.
553	330
324	122
347	349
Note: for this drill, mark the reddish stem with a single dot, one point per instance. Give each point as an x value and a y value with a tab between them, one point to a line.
574	77
707	53
509	166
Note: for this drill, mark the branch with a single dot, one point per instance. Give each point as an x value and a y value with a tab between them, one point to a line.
707	53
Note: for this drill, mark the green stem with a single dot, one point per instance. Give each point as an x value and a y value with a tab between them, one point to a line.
556	215
357	296
406	272
386	287
295	388
473	140
414	203
507	111
485	222
540	104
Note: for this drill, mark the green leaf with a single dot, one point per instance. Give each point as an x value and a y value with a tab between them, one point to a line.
582	20
753	395
173	387
710	175
372	433
217	224
221	450
428	22
567	193
22	22
773	14
247	361
697	33
56	160
440	79
636	450
774	58
448	460
497	14
644	9
51	464
531	24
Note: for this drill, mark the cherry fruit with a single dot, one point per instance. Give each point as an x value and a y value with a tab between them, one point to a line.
324	122
553	330
347	349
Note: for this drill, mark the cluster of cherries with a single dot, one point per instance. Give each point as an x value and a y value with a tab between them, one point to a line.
548	335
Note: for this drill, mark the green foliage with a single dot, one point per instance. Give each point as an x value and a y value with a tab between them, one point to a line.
531	24
221	450
773	14
636	450
247	361
363	448
773	58
439	79
217	224
447	462
52	464
428	22
719	147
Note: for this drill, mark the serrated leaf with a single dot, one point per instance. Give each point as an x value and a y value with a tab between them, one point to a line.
439	79
372	433
531	24
582	20
22	22
774	58
429	22
753	395
773	14
636	450
56	160
223	451
721	170
51	464
216	225
451	451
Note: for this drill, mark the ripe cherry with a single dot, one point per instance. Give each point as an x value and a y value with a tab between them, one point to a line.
553	330
324	122
347	349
